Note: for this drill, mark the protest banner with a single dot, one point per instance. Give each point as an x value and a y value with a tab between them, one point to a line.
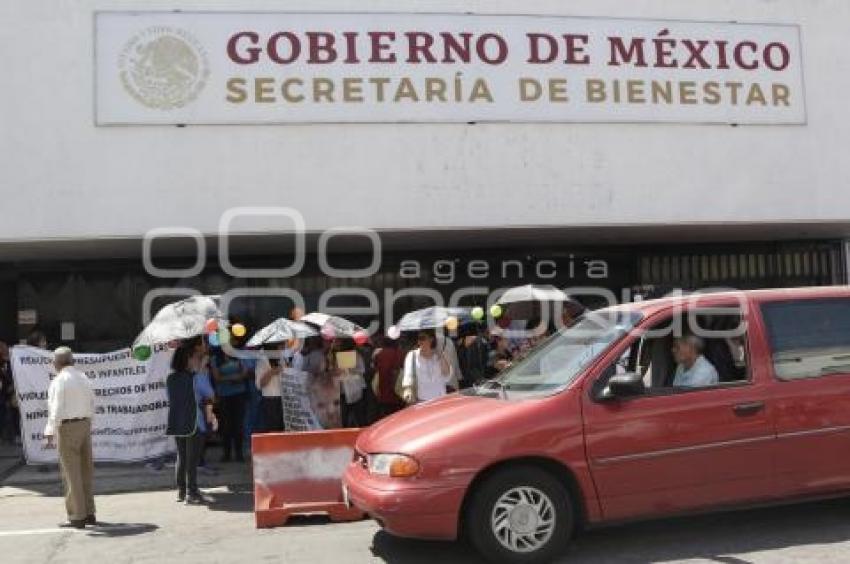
131	403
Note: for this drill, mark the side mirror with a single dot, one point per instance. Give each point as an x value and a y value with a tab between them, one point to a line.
623	385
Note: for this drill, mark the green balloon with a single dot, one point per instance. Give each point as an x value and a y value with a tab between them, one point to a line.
223	336
477	313
142	353
496	311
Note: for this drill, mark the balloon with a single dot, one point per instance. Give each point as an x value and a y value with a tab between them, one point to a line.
142	353
213	339
238	330
223	336
477	313
451	323
328	333
361	338
211	325
393	332
496	311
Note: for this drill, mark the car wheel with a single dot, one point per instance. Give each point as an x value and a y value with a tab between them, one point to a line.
520	514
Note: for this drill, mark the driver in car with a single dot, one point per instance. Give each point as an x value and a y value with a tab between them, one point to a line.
693	370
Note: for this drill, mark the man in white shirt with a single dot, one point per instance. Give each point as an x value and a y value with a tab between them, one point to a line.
70	404
693	370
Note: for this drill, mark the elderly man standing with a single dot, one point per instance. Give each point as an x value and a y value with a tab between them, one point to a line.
70	402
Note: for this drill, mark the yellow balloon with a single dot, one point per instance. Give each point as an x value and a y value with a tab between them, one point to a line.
238	330
451	323
496	311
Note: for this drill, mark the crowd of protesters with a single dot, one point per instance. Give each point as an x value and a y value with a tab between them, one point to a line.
237	397
388	375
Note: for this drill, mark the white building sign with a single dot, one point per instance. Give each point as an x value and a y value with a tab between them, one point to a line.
260	68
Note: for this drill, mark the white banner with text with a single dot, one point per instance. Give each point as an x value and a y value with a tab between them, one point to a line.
131	403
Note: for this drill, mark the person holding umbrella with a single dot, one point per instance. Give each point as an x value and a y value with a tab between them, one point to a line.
427	371
184	414
281	341
268	373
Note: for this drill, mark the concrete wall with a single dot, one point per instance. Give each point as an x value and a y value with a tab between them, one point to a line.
62	177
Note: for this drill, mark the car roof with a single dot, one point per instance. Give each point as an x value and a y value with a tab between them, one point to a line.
649	307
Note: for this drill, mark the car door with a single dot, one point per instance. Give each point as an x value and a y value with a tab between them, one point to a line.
806	347
675	450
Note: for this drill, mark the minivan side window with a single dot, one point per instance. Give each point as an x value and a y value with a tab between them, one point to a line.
723	340
808	338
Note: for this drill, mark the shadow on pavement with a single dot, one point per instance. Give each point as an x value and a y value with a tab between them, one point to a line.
394	549
717	537
115	530
237	499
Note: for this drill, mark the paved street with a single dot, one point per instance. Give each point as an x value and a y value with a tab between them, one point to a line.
151	527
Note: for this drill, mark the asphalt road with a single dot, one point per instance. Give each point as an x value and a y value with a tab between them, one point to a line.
152	527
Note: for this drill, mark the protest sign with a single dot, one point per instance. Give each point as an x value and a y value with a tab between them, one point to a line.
131	403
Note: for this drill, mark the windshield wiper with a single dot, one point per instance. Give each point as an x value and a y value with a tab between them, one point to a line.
498	384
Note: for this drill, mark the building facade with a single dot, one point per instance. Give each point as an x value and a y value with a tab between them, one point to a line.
663	200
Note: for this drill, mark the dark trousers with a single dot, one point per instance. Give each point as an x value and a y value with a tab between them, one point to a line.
272	408
202	450
232	421
186	470
353	414
387	409
12	420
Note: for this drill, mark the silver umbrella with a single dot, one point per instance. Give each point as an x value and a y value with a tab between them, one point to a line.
331	324
181	320
433	317
534	293
526	302
281	330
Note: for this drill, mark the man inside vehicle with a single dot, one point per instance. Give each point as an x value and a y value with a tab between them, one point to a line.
693	370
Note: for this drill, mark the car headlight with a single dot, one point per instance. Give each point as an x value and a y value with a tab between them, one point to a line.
393	465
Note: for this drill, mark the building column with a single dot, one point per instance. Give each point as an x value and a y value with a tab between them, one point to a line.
846	257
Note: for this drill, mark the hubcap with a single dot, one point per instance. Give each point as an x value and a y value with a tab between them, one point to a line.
523	519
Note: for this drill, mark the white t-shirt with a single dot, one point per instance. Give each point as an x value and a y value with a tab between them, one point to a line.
272	388
430	380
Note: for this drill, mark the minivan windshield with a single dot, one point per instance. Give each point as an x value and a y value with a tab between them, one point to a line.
554	364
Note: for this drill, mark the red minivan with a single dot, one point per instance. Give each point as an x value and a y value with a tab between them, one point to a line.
609	421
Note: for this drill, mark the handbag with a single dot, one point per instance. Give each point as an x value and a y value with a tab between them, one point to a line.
413	384
399	384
